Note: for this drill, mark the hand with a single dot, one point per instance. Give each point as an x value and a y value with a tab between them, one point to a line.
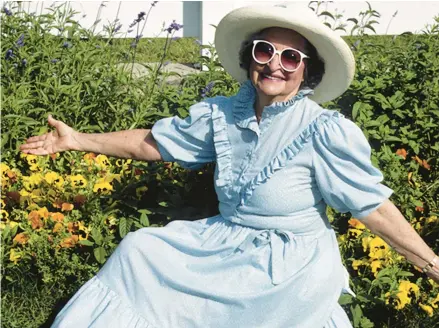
61	139
433	273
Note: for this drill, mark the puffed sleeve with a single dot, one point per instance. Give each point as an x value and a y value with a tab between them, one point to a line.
344	173
187	141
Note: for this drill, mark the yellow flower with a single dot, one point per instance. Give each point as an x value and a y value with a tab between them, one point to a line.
101	186
378	248
435	301
54	178
14	256
32	181
427	308
356	263
77	181
375	265
365	241
354	233
431	219
4	215
102	162
32	160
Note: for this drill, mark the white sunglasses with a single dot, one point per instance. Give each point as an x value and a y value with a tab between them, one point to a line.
290	59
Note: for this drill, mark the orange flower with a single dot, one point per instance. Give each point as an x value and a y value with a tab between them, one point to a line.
69	242
419	209
66	207
356	224
57	216
417	159
402	152
425	165
35	220
21	238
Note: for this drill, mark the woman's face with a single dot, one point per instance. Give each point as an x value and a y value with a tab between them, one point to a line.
271	81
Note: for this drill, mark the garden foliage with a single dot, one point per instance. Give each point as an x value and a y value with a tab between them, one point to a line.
62	215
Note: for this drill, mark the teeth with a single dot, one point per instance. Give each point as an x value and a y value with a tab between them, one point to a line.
272	78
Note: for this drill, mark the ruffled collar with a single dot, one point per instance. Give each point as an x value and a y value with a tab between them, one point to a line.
243	109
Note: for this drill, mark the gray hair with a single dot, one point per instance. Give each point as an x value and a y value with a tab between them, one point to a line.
314	69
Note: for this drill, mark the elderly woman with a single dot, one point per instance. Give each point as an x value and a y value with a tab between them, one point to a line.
270	258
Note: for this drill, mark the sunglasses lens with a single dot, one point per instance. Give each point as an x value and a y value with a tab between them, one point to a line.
263	52
290	59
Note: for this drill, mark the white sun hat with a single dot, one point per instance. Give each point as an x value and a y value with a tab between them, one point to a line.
238	25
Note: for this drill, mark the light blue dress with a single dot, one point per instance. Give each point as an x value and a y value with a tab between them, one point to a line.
270	259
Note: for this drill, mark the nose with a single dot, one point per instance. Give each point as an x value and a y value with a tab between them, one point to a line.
274	64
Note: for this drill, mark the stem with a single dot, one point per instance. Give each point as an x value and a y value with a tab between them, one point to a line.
165	50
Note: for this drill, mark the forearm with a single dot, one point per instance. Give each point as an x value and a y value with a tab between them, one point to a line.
388	223
135	144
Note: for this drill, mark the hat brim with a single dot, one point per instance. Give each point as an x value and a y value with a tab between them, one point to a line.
240	24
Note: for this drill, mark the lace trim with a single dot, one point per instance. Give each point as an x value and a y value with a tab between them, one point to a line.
243	110
287	153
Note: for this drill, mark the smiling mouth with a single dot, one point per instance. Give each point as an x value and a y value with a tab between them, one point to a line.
272	78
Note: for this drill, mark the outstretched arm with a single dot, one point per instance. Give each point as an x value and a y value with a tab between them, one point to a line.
388	223
135	144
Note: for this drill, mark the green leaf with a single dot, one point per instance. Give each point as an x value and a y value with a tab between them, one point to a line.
123	227
100	254
86	242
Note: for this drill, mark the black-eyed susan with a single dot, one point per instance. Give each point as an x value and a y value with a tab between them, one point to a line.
32	161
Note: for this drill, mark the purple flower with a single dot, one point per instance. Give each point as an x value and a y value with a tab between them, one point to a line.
176	38
153	3
98	46
54	61
9	54
24	62
166	63
66	45
117	28
140	16
198	42
129	31
173	27
133	44
7	11
206	90
20	41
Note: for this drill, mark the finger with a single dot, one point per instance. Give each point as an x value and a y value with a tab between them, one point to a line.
32	145
37	138
53	122
38	151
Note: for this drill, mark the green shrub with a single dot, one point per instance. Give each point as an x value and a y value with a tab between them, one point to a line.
58	230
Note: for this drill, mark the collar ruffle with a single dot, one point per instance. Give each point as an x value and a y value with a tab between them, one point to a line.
243	109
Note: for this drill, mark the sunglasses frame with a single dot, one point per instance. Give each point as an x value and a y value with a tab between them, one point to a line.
278	52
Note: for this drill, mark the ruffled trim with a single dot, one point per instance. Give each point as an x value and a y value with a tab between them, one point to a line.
223	149
104	308
243	104
288	153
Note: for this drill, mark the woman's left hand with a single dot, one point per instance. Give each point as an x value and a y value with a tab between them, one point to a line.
388	223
